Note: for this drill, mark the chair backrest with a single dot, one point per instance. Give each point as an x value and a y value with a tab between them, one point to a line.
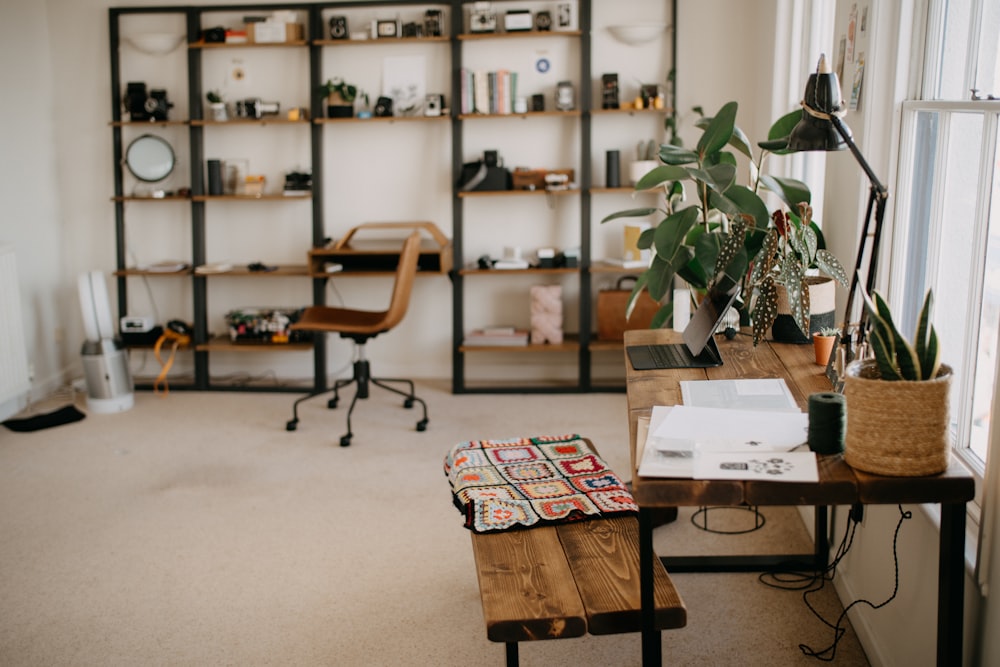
406	272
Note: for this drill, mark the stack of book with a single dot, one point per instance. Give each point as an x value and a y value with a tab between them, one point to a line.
488	92
496	336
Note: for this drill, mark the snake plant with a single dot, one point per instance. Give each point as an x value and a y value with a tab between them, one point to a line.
897	358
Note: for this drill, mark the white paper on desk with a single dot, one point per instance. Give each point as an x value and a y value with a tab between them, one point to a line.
660	461
690	428
742	394
764	466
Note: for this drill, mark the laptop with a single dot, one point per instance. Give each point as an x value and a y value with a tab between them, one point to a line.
698	349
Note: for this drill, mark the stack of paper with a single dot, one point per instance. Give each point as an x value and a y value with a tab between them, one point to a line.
713	442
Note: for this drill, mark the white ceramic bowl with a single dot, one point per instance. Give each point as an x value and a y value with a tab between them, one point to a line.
637	33
155	43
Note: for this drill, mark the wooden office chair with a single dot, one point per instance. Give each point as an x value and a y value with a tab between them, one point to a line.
359	326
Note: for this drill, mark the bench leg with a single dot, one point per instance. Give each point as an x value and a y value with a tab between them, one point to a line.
651	647
512	657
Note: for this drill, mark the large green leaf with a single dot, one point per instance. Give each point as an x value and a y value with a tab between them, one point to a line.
719	131
670	234
925	341
724	204
721	176
780	129
766	258
791	191
677	155
765	309
831	266
748	202
631	213
657	176
883	355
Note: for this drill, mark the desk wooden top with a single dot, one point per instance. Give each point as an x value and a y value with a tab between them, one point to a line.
839	484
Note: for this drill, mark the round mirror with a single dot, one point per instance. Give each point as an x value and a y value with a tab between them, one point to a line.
149	158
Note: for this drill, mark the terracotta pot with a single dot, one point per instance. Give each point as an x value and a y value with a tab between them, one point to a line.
823	346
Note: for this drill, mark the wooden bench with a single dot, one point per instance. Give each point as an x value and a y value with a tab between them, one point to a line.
563	581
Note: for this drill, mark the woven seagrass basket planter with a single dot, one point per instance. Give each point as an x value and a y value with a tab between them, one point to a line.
898	429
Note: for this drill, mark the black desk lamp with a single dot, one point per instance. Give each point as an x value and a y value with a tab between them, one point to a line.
821	129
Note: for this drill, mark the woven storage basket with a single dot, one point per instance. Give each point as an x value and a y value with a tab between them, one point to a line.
899	429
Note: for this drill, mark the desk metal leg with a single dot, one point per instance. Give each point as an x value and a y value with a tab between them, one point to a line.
951	584
651	648
821	525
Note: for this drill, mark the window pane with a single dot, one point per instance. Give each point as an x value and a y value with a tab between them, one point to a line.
952	82
989	322
988	68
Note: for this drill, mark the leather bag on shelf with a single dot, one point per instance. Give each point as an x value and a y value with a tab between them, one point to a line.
611	305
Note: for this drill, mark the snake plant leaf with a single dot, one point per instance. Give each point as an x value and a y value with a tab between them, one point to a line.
883	356
931	361
907	363
925	341
831	266
765	309
719	131
660	175
631	213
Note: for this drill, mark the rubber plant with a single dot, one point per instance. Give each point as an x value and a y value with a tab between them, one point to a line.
704	207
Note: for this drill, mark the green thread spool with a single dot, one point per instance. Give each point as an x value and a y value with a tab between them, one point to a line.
827	423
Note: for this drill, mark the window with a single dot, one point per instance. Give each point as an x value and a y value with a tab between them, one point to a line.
946	232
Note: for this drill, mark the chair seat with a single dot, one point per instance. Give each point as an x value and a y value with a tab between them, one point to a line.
341	320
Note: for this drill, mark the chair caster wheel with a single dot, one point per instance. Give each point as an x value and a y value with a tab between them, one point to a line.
345	440
332	403
422	425
290	426
408	403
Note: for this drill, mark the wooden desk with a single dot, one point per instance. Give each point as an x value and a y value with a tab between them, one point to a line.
839	484
378	254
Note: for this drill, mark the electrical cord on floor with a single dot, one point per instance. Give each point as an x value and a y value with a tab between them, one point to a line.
813	582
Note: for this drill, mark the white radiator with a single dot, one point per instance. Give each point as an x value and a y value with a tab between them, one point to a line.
14	379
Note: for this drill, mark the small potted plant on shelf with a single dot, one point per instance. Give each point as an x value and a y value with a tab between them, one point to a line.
823	341
897	402
340	97
216	106
787	300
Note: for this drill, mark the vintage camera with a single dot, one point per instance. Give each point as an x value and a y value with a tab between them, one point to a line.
254	107
517	20
482	18
412	29
433	104
383	107
140	106
433	20
338	27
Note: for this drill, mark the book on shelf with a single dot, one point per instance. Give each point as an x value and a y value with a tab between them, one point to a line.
488	92
497	336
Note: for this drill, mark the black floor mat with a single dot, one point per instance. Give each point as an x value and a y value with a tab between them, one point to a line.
64	415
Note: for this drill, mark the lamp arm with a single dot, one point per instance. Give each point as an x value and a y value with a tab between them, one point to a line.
877	185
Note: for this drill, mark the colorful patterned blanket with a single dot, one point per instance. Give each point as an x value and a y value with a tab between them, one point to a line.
524	482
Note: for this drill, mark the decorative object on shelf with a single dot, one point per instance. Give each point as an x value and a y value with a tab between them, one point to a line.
216	106
433	23
538	102
791	303
897	403
715	236
340	97
256	108
383	107
565	96
820	128
517	20
612	169
482	18
150	158
543	20
338	28
155	43
264	326
645	161
546	314
297	184
433	105
154	107
823	341
215	182
609	91
612	321
566	16
633	34
385	28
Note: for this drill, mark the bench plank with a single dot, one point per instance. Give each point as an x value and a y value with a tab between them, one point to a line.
527	586
604	557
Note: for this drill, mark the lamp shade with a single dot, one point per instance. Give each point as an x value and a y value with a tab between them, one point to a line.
815	132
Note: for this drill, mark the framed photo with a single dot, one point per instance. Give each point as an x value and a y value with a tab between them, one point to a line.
385	29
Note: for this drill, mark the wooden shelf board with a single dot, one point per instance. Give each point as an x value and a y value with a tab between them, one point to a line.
518	193
296	270
528	114
143	272
568	345
381	42
472	36
146	123
166	198
223	344
474	271
384	119
201	44
270	120
264	197
631	111
599	266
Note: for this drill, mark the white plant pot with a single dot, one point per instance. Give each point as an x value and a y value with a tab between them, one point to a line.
639	168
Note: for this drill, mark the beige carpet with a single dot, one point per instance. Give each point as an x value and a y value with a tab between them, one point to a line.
194	530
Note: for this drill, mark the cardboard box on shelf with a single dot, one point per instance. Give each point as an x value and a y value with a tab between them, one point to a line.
274	32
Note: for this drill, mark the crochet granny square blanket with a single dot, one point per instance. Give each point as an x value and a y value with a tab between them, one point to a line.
525	482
